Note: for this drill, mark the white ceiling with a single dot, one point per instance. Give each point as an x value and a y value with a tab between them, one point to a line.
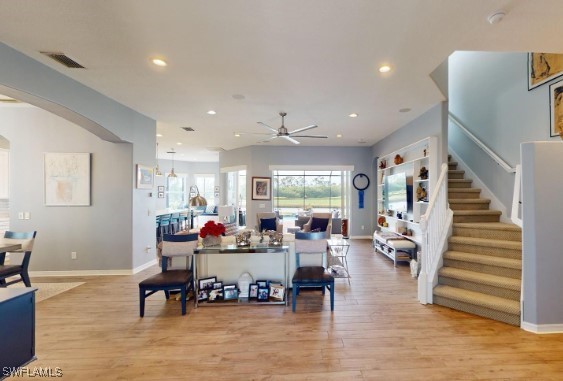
316	60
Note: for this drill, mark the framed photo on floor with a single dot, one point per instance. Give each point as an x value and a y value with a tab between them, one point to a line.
277	292
206	283
263	294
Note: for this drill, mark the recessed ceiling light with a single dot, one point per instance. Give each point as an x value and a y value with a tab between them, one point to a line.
211	112
159	62
384	69
496	17
179	143
353	115
238	96
158	135
339	135
406	109
237	135
361	141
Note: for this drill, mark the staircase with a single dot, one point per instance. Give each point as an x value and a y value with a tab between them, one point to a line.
483	265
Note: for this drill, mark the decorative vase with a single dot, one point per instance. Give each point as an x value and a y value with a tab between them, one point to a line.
211	240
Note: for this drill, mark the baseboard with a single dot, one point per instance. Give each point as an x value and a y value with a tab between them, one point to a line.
92	272
485	191
542	328
144	266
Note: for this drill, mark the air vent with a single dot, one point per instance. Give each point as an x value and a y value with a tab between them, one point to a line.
189	129
64	59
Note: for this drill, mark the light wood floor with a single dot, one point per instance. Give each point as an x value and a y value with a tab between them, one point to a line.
378	331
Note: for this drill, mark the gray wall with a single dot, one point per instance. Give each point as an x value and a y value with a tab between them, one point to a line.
259	158
542	210
489	95
95	232
432	123
24	78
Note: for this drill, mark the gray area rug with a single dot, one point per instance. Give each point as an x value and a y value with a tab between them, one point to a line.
48	290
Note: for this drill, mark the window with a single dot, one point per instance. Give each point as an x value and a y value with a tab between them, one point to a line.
176	192
300	192
206	184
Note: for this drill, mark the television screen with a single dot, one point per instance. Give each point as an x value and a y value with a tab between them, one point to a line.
396	192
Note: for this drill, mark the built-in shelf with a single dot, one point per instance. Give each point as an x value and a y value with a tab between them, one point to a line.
415	156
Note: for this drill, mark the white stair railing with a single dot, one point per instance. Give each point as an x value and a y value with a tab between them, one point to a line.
435	225
516	200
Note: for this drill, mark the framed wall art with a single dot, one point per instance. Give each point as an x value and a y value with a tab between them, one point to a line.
145	177
67	179
556	109
261	188
543	67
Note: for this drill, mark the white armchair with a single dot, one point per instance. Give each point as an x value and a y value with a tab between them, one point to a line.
269	215
309	225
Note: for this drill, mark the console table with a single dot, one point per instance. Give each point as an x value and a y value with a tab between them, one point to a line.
233	250
17	326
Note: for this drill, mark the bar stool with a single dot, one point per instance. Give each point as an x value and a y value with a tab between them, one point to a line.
175	222
164	225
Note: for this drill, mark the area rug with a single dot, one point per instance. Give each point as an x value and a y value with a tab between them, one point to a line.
48	290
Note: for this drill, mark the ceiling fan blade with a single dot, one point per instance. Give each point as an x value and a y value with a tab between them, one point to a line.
268	127
268	140
310	136
253	133
304	129
290	139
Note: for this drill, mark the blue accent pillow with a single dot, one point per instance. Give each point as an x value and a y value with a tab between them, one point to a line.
268	224
319	223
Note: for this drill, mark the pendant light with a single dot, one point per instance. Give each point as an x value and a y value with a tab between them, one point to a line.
172	174
157	171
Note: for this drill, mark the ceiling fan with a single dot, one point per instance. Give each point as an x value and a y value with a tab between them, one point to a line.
282	132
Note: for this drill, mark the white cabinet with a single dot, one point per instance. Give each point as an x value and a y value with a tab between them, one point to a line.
416	166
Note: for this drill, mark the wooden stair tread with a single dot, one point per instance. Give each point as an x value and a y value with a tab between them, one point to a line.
468	181
488	212
479	299
489	260
481	278
486	242
469	200
464	190
487	225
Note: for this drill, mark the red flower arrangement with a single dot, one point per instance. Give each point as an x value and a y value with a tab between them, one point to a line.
211	228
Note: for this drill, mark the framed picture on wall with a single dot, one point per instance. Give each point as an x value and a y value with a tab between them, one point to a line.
261	188
543	67
145	177
67	179
556	109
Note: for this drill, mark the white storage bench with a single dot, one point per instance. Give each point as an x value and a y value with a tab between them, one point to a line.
394	246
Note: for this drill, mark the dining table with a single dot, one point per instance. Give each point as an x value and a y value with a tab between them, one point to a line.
8	246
